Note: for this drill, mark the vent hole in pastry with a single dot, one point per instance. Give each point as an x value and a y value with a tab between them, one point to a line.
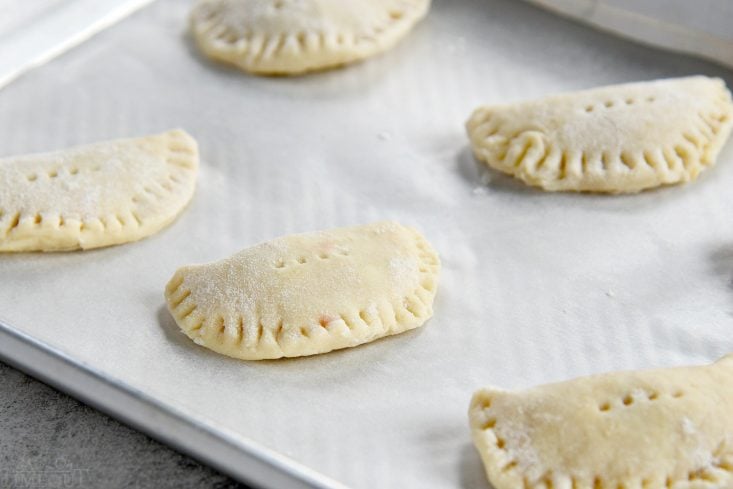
678	394
597	483
509	466
605	407
589	108
323	322
323	256
220	322
651	98
489	424
73	170
32	177
304	331
302	260
53	173
37	219
395	15
61	221
629	101
500	443
608	104
486	403
15	221
343	252
668	482
653	396
628	401
280	263
363	315
278	4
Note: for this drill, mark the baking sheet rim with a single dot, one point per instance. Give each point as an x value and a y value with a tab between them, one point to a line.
223	452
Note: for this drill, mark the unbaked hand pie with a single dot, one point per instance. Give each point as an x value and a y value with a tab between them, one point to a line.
309	293
656	429
96	195
622	138
296	36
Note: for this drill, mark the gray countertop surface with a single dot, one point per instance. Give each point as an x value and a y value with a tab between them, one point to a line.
49	440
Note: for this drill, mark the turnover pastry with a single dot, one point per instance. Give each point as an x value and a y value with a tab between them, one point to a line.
622	138
96	195
656	429
295	36
309	293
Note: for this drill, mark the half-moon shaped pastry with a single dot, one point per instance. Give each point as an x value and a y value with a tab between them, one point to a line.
309	293
96	195
296	36
657	429
616	139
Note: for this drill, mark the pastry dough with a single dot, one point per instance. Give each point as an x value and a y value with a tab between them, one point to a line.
96	195
622	138
295	36
309	293
656	429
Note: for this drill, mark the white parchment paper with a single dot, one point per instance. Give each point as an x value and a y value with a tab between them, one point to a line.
535	287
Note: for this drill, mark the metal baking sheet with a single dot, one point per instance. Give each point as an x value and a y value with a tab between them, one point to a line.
535	287
32	33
